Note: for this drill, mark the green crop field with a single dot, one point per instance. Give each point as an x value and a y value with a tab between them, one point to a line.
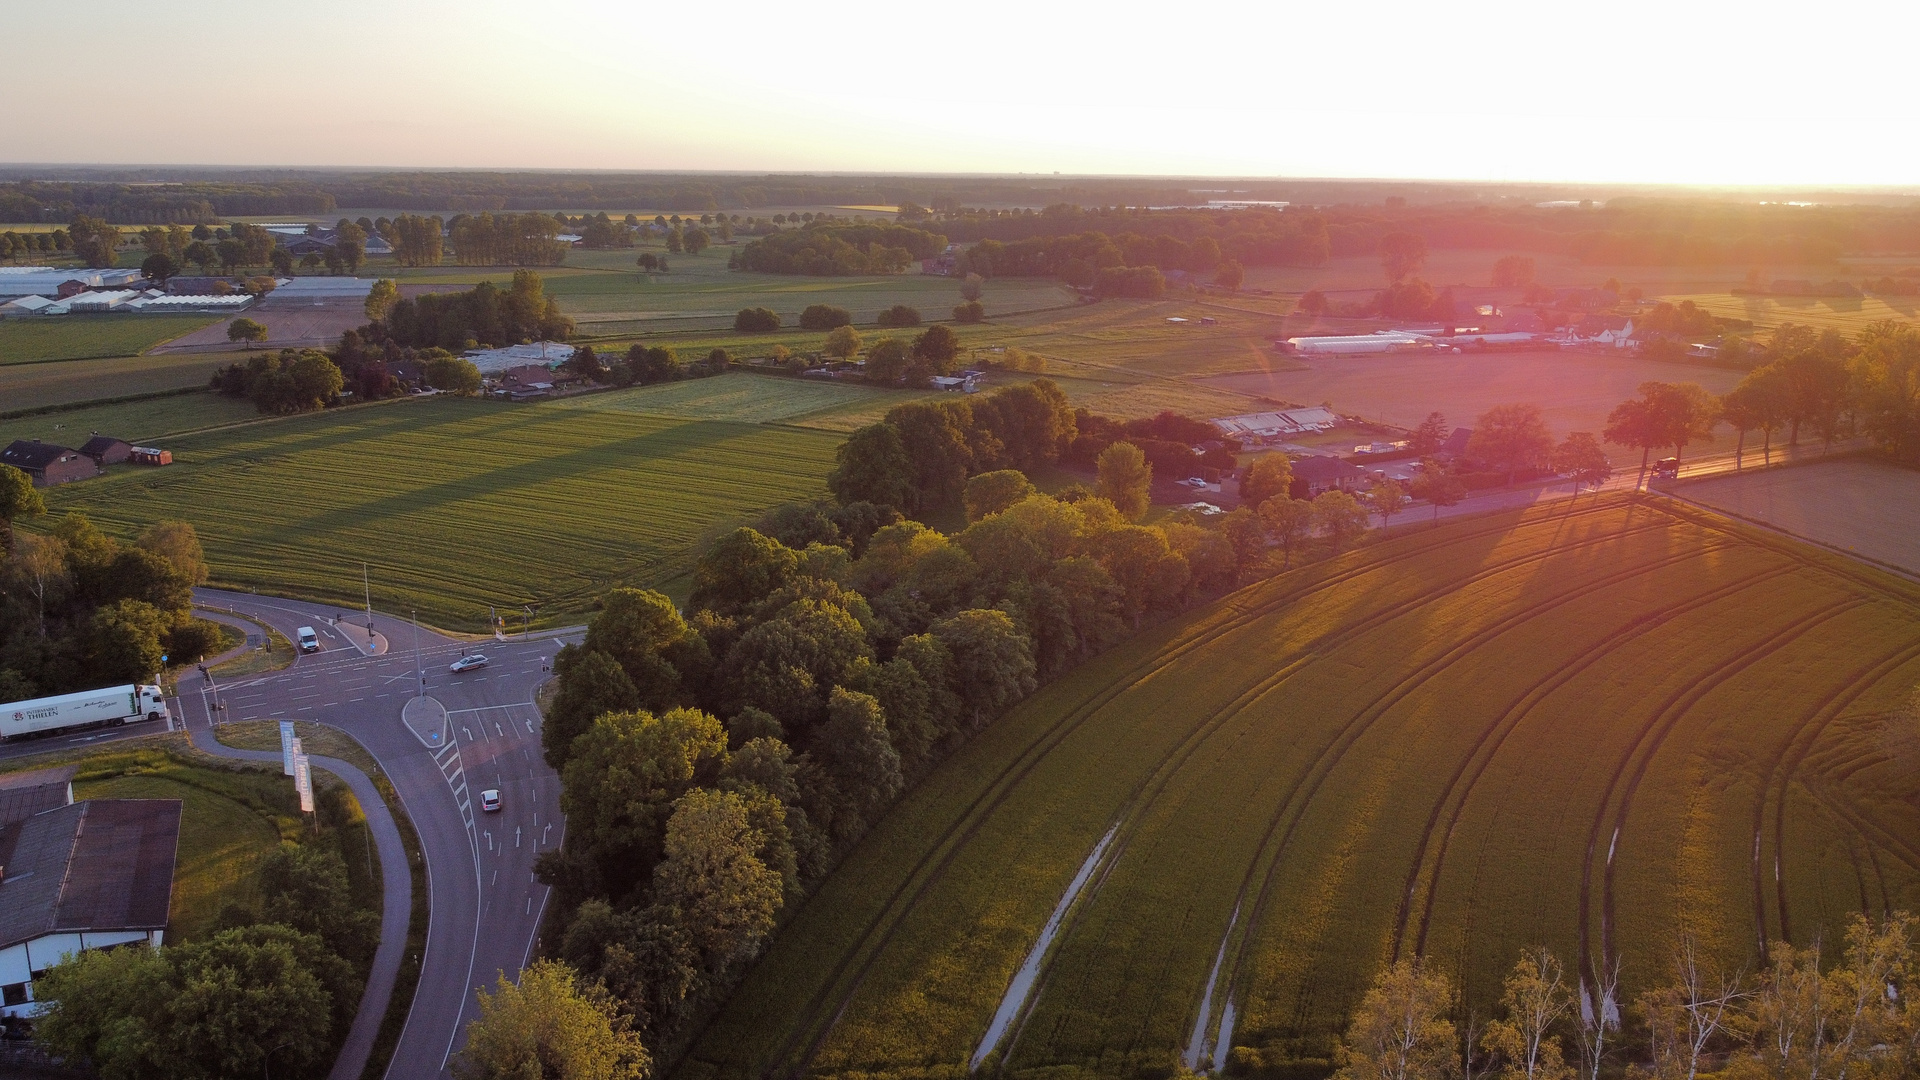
33	386
86	337
1584	728
138	422
1849	315
460	504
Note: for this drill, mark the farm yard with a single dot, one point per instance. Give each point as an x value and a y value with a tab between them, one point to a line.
1581	727
1860	505
1575	390
457	505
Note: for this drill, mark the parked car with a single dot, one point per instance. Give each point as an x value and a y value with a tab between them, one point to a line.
490	801
467	663
309	641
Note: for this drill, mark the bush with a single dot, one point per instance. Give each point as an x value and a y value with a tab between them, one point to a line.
824	317
970	312
899	315
755	320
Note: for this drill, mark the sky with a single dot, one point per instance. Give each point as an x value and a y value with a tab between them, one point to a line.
1681	92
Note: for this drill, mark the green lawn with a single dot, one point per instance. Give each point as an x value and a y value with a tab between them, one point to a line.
461	504
1549	726
1849	315
86	337
745	397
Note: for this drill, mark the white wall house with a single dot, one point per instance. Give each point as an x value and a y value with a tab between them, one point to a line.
76	876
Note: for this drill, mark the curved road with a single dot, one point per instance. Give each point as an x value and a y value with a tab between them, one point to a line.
484	903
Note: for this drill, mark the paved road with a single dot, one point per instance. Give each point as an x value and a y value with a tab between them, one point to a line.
396	902
484	903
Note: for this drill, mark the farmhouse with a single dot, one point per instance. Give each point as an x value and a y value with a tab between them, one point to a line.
1314	475
87	875
47	463
107	450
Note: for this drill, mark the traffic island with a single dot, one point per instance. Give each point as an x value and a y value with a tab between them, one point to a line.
427	719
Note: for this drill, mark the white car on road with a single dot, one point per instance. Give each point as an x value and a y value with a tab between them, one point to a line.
467	663
490	800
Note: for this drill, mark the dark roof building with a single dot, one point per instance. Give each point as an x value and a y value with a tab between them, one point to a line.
107	450
89	875
20	802
47	463
1456	443
1314	475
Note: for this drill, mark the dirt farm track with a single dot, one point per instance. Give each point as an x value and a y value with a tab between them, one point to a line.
1865	507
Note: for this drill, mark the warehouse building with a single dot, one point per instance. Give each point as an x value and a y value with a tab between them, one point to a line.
86	875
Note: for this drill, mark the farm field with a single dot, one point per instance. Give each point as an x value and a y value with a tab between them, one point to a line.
457	505
743	397
34	386
1849	315
1575	390
1572	727
138	422
86	337
1861	505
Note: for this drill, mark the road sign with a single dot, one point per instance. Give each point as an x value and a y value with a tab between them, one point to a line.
287	747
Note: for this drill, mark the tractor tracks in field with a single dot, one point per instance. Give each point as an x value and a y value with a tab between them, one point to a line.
929	869
1783	770
1306	786
1632	766
1456	794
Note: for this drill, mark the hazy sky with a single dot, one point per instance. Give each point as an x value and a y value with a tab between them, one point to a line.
1681	92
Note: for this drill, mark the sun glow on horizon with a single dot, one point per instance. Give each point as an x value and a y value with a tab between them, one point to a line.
1508	92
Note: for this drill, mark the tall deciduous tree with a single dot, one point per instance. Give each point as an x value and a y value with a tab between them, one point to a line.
713	874
551	1026
1437	487
1581	457
18	499
1534	997
1268	475
1402	253
1511	438
381	298
1339	518
1400	1029
1125	479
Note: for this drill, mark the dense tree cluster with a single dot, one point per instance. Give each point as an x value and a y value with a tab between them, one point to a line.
190	202
290	381
273	991
18	245
483	315
1073	243
506	240
79	609
838	249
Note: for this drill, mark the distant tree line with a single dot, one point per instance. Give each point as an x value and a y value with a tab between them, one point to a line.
482	315
79	609
185	203
506	240
836	249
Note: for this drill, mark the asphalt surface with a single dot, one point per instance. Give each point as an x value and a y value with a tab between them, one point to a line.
485	905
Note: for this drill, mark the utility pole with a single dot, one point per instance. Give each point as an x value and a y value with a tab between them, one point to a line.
418	670
367	584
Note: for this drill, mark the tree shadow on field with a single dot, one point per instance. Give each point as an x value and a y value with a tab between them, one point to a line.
695	439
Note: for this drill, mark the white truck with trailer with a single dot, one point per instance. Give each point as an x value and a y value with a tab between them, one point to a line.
110	706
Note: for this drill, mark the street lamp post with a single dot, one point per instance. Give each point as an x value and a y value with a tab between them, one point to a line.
367	584
418	670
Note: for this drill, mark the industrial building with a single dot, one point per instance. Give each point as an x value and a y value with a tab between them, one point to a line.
1264	427
77	876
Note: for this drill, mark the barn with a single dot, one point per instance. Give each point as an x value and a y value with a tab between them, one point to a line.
106	450
48	464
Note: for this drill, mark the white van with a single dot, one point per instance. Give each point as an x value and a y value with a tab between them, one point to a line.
309	641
